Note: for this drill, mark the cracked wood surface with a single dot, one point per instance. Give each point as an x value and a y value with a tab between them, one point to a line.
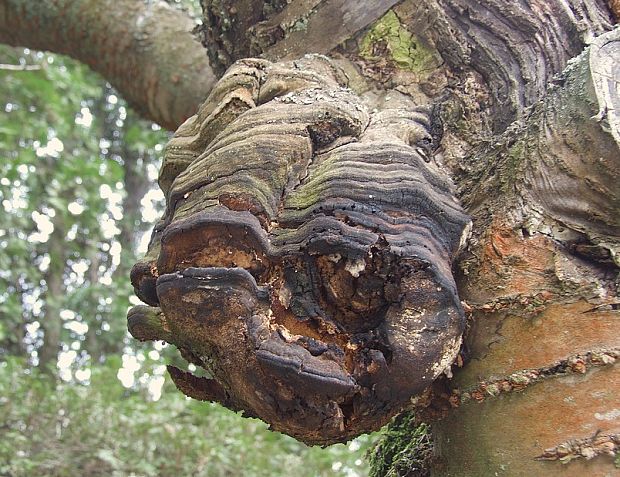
519	380
304	258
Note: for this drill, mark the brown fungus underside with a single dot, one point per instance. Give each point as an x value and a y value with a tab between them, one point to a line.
304	257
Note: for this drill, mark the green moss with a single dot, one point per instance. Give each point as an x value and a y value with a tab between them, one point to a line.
404	449
310	193
300	25
305	197
514	165
403	48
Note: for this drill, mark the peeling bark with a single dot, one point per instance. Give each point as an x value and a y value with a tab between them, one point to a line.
519	380
507	434
588	448
304	258
134	45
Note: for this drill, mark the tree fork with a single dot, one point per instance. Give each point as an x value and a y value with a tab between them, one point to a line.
512	45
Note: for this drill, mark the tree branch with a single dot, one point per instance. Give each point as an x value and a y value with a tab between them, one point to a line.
238	29
145	51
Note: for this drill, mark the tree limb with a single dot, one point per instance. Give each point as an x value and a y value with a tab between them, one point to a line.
145	51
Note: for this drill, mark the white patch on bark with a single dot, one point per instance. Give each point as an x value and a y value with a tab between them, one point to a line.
607	416
450	351
355	267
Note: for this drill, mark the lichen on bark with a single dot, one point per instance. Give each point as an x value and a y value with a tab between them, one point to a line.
388	38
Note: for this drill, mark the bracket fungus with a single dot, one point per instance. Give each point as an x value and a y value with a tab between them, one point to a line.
304	257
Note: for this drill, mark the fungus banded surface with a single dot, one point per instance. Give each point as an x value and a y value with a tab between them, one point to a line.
304	257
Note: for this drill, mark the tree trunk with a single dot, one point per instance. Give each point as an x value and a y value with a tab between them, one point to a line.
540	389
532	147
51	323
136	185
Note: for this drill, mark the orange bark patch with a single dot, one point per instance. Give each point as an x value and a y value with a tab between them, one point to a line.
615	8
505	434
503	345
511	264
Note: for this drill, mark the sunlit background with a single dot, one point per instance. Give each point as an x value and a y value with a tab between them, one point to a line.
79	396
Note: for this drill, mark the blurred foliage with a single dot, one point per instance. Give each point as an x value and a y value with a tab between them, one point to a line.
404	449
61	142
105	430
77	176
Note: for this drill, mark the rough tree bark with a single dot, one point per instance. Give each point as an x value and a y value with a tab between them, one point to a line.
533	148
542	280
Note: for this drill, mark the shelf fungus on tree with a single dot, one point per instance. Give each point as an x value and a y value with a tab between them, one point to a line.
304	257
